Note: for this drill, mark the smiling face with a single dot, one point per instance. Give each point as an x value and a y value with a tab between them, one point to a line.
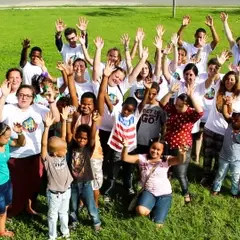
72	39
25	98
86	106
181	56
145	71
116	78
79	68
230	82
15	79
113	56
212	70
189	77
199	37
152	95
156	150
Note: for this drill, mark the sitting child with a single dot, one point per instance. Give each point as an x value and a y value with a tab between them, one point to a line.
59	177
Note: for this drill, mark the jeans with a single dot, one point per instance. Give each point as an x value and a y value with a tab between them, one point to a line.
115	167
234	168
180	170
83	190
58	205
159	206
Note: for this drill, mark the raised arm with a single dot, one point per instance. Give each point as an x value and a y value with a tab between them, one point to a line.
185	22
175	87
52	104
227	30
158	65
209	23
96	74
95	119
180	158
60	26
20	141
103	88
82	26
60	67
125	40
126	157
140	36
134	48
5	89
148	86
64	115
190	92
137	69
24	56
165	65
174	41
82	41
49	120
227	108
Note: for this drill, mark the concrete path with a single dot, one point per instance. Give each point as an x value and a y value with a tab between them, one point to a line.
32	3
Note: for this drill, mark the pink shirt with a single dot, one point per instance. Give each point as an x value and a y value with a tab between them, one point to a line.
158	183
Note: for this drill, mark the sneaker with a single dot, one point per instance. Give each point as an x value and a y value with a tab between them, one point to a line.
97	228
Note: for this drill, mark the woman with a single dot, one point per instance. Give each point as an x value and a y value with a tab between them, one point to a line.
216	125
179	125
156	197
25	164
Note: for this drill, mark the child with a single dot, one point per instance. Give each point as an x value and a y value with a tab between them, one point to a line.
229	156
124	126
81	150
53	153
5	182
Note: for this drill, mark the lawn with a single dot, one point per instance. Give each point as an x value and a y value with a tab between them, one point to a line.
206	217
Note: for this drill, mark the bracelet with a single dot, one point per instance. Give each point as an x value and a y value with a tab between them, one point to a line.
19	134
50	102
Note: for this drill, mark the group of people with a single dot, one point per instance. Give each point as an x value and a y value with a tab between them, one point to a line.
80	127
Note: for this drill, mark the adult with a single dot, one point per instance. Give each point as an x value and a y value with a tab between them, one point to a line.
25	164
234	44
179	125
200	39
216	125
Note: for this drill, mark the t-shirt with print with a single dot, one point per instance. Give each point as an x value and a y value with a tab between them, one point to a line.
179	126
216	121
32	122
80	88
153	117
4	157
236	54
58	174
30	72
123	128
158	183
80	165
192	51
231	145
115	94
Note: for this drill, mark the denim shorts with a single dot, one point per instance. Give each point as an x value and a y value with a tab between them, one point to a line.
5	196
159	206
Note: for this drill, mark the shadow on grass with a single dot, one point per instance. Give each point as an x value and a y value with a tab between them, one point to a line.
229	11
110	12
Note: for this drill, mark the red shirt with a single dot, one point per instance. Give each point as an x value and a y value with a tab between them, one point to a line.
179	126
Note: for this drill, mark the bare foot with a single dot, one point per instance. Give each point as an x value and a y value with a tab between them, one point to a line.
7	234
31	211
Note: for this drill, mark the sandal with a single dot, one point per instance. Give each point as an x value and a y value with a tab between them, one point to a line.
187	199
7	234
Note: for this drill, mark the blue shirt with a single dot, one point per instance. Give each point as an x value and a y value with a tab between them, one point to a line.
4	171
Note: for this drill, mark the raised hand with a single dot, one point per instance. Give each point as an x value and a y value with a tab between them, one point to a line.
145	53
228	100
209	21
125	142
175	87
6	88
65	112
158	42
203	41
60	66
99	43
26	43
174	39
49	119
125	40
95	116
160	30
140	35
224	17
82	40
108	68
50	94
186	20
167	50
190	90
69	67
225	55
40	62
148	83
17	128
82	24
60	25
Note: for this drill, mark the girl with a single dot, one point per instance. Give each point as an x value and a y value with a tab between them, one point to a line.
179	125
81	150
5	182
157	195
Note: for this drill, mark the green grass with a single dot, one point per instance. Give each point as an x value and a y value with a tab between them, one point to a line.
206	217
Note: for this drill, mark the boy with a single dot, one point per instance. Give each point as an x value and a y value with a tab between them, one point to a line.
59	177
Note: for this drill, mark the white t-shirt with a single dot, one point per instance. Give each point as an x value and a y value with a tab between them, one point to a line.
80	87
236	54
192	50
116	97
11	98
32	122
30	71
216	122
68	52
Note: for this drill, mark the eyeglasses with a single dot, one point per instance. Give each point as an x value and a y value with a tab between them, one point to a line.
21	95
